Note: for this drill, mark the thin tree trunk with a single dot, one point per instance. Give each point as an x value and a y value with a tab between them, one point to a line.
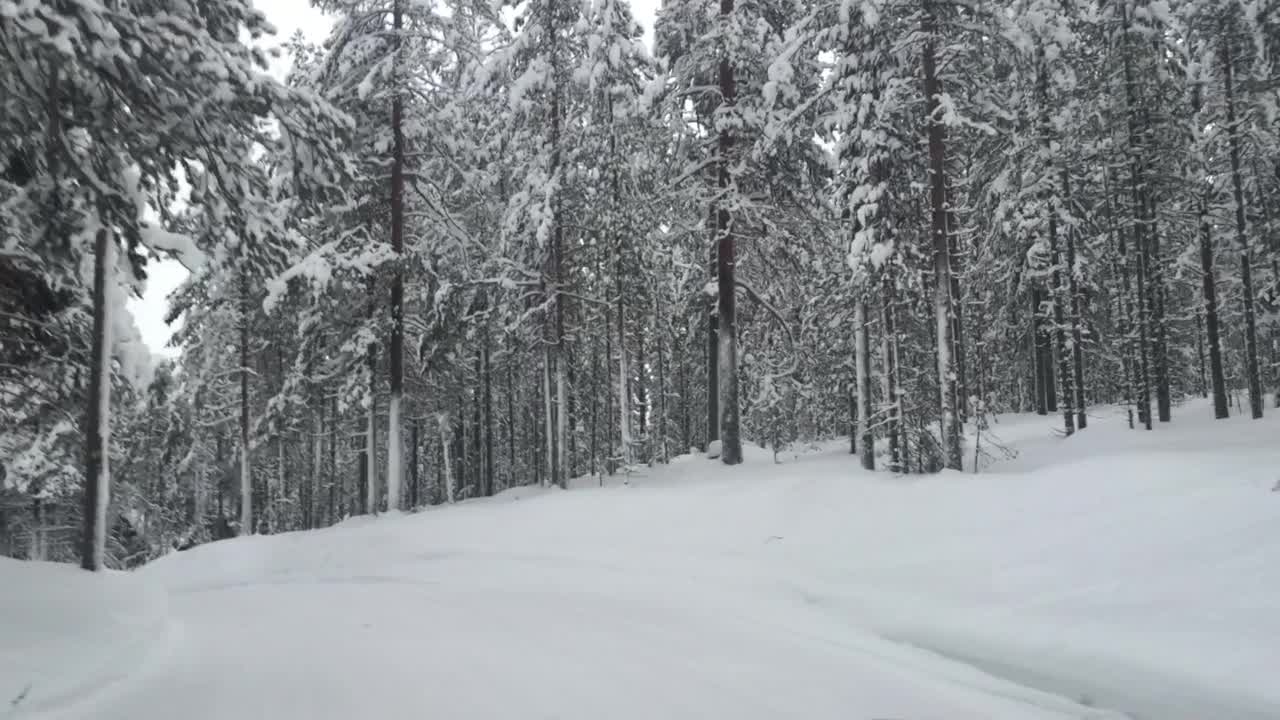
593	430
662	380
853	417
511	427
624	409
488	416
686	433
1077	334
443	420
1159	325
730	440
1253	376
395	444
1038	374
955	261
1209	294
641	387
862	371
97	489
548	418
371	440
950	421
889	355
1141	247
1124	308
1064	375
246	477
1144	324
413	467
476	457
334	424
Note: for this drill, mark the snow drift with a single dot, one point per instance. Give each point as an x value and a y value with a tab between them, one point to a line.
1114	574
66	634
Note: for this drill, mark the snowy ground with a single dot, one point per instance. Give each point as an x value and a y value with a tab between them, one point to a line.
1116	574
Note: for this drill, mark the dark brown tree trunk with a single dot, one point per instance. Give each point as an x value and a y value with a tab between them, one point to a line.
593	428
1038	389
949	416
476	459
730	440
1077	334
956	263
370	502
1143	367
1159	326
642	387
488	417
1141	247
334	424
97	422
853	417
713	341
1253	376
889	360
686	434
246	473
557	400
395	444
862	380
661	424
1209	294
1057	291
511	427
413	466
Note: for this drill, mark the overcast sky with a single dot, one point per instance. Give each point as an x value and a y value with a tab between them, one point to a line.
164	276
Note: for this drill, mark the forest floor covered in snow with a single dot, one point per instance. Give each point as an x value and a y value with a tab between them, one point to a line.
1115	574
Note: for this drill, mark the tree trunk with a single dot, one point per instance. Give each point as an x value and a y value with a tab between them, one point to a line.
1209	294
97	489
661	435
548	416
334	424
641	387
955	260
1253	376
413	468
888	359
1142	249
488	416
624	409
511	427
1056	294
1038	389
730	440
246	477
950	421
476	456
1143	368
443	420
862	375
1077	334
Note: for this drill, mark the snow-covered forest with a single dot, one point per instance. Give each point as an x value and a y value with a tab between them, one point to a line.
466	246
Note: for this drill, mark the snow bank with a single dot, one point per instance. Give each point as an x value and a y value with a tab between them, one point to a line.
66	633
1115	574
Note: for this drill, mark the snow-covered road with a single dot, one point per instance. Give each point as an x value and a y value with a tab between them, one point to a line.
464	636
1114	575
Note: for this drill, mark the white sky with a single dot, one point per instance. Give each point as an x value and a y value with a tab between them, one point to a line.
164	276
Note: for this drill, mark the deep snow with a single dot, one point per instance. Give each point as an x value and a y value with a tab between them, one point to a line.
1114	574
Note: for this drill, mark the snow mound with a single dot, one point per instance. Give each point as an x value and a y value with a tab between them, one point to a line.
68	633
